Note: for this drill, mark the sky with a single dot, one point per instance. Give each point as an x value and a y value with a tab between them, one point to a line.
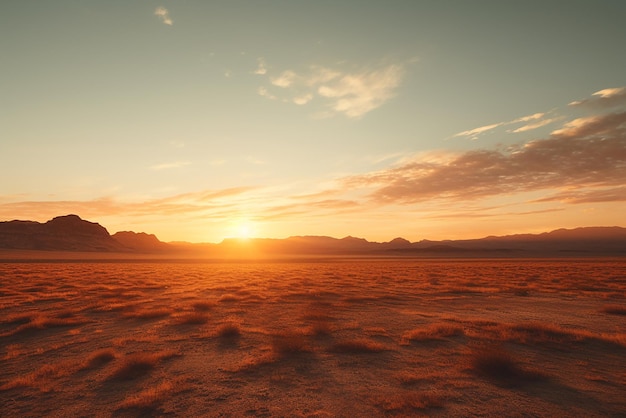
201	120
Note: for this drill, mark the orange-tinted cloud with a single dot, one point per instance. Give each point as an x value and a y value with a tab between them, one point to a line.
606	98
586	153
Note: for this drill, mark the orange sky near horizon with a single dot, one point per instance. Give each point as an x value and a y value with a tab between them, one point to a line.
197	121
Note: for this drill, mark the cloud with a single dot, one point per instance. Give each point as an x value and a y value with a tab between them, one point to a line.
357	94
535	125
352	94
612	194
164	15
208	203
304	99
286	79
165	166
473	134
261	68
586	154
262	91
605	98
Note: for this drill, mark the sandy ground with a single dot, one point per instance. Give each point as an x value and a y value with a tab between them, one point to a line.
324	338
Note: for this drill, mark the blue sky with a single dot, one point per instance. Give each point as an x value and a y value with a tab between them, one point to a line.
200	120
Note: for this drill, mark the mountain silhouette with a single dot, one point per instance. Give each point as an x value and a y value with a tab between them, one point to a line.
71	233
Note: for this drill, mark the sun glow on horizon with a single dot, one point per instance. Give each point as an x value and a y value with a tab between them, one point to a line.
242	229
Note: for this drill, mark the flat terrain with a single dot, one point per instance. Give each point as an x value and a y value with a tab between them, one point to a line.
317	338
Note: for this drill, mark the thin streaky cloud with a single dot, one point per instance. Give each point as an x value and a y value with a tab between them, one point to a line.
164	15
535	125
473	134
605	98
587	154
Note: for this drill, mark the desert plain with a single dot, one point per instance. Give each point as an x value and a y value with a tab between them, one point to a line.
319	337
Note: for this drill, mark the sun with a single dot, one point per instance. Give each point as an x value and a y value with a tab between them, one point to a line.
244	231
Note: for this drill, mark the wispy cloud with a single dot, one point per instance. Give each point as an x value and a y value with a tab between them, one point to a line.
209	203
473	134
605	98
164	15
586	154
285	79
535	125
261	68
352	94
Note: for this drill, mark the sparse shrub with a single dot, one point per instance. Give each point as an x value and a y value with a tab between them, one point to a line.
193	318
431	332
99	358
614	309
358	345
521	292
496	363
290	343
410	402
46	372
203	306
229	329
321	328
139	364
229	297
148	399
149	313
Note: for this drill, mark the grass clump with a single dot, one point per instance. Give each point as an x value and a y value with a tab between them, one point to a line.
495	363
431	332
139	364
148	400
202	306
358	345
290	343
192	318
229	330
410	403
99	358
614	309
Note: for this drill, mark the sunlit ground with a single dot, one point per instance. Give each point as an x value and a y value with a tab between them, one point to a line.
326	338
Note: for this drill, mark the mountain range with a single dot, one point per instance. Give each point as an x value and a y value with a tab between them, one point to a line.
71	233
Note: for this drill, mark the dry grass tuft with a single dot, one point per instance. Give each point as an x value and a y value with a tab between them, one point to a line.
290	343
41	322
139	364
321	328
229	297
203	306
614	309
36	378
192	318
542	333
431	332
358	345
229	330
408	378
149	313
148	399
409	403
496	363
99	358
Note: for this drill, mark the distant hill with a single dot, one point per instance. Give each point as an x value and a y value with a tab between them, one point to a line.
140	241
71	233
